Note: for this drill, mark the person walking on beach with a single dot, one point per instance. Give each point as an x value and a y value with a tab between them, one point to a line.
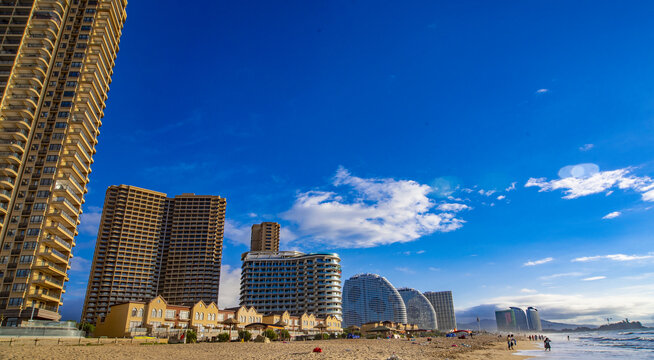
509	342
547	344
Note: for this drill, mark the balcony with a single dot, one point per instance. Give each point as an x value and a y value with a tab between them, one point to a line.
51	268
54	255
53	240
64	187
7	169
5	194
45	295
12	145
10	155
59	229
49	281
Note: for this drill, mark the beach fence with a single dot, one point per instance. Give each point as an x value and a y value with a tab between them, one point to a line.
79	341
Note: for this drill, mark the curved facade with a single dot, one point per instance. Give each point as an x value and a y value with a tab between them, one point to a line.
520	319
419	310
291	281
370	297
533	319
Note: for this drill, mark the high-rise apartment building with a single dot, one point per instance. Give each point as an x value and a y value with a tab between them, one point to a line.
419	310
292	281
370	298
444	306
533	319
56	63
265	237
520	319
149	245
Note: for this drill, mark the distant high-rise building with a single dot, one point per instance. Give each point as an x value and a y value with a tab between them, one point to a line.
505	320
149	245
444	306
419	310
277	281
520	319
265	237
368	298
56	63
533	319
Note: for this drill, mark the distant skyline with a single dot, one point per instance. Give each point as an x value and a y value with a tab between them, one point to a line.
499	150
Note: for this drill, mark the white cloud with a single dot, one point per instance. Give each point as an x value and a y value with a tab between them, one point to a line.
614	257
586	179
420	252
586	147
431	268
612	215
561	275
528	291
594	278
237	233
511	187
486	192
80	264
369	212
542	91
501	197
453	207
90	221
538	262
230	287
405	270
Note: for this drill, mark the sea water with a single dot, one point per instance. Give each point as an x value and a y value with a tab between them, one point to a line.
598	345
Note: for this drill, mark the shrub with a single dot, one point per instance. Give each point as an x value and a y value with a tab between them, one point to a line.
191	337
88	328
223	337
244	335
270	334
284	334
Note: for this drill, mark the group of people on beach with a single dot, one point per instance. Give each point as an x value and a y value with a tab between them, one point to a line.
546	340
511	341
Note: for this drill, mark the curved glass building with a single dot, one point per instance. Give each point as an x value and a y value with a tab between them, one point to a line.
419	310
370	297
520	319
533	319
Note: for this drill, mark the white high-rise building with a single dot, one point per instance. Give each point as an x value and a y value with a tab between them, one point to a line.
444	306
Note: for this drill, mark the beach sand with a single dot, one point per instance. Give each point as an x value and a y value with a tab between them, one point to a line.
481	347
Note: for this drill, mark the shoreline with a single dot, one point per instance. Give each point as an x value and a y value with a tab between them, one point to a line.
481	347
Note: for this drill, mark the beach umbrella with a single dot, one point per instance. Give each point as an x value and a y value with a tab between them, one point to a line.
231	322
321	327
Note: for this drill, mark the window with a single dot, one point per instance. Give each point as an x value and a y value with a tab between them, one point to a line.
55	147
78	55
159	313
33	232
140	312
57	136
83	36
36	219
51	158
170	314
15	301
63	114
27	259
66	104
154	313
48	170
39	206
85	28
29	245
4	259
70	93
71	83
134	312
22	273
197	316
183	315
18	287
88	19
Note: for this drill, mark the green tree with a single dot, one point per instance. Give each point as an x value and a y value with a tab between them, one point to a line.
223	337
284	334
244	335
191	337
87	328
270	334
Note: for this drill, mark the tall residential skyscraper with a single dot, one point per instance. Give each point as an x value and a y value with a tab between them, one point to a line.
419	310
149	244
265	237
370	297
56	63
520	319
533	319
444	306
292	281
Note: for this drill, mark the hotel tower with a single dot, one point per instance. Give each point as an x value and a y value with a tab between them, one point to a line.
265	237
56	63
149	244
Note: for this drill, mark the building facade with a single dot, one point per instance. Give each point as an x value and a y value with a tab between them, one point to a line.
533	319
292	281
371	298
149	244
265	237
56	63
505	320
520	319
443	304
419	310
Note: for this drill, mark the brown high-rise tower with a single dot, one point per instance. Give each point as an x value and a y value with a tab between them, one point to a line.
151	245
265	237
56	63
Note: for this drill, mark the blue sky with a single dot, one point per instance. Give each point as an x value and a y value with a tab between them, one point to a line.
403	138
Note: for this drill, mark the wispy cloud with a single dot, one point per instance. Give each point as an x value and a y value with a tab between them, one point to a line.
586	179
431	268
542	91
367	212
586	147
230	287
405	270
237	233
614	257
594	278
538	262
90	221
561	275
501	197
528	291
612	215
453	207
511	187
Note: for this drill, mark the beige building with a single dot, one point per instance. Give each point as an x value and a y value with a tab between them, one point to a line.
265	237
149	244
56	63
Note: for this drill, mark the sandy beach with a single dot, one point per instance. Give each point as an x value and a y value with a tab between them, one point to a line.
482	347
